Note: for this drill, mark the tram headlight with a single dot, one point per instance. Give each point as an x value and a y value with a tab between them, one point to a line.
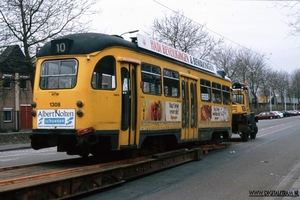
33	113
33	104
79	113
79	103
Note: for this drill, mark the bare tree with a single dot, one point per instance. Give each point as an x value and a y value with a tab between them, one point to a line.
280	84
255	76
225	60
265	88
31	23
184	34
293	17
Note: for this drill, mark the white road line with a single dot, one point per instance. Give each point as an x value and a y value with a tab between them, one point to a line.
278	130
6	160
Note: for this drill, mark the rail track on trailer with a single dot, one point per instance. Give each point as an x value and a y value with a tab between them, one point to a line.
72	177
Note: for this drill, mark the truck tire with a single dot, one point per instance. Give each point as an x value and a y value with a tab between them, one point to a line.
253	134
245	136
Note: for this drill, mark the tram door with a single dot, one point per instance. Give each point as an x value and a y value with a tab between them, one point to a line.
189	109
129	104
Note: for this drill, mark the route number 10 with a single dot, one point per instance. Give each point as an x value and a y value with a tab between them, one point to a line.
60	47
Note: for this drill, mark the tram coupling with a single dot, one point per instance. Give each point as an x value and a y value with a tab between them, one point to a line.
86	137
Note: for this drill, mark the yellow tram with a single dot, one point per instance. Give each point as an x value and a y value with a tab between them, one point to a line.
95	93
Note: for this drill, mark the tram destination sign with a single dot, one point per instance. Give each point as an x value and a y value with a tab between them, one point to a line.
163	49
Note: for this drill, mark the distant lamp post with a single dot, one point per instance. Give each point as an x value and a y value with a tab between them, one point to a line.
129	32
284	99
270	99
293	101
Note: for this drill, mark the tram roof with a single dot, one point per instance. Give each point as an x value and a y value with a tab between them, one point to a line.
85	43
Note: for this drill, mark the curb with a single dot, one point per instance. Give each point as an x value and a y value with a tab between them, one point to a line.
11	147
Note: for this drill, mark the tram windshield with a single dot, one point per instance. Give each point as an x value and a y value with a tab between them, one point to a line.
58	74
238	98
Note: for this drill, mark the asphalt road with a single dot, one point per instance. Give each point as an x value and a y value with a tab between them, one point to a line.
269	163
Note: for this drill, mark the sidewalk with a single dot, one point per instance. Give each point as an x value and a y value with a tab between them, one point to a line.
8	147
14	140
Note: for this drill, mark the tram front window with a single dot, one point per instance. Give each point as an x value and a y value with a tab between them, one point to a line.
238	98
58	74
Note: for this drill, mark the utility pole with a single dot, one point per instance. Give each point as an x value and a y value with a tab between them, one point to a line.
17	101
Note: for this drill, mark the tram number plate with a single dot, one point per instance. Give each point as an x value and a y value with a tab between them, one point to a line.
54	104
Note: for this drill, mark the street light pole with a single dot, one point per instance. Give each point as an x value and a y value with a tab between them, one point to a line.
284	99
293	101
270	99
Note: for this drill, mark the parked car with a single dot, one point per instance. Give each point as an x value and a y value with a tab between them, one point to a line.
278	113
266	115
286	113
293	112
296	112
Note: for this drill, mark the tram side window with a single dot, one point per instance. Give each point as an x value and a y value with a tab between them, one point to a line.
58	74
216	90
151	79
171	83
205	90
226	94
104	74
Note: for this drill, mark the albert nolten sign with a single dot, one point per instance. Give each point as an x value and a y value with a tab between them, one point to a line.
56	119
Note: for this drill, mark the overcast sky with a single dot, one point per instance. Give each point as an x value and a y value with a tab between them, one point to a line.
258	25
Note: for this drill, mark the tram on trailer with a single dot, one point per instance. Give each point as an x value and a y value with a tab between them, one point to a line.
96	93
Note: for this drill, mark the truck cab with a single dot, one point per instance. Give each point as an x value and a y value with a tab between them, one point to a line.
243	119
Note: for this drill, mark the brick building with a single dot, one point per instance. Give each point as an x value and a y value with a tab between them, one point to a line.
15	91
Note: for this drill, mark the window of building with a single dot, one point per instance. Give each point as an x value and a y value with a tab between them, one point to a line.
171	83
7	81
7	114
205	90
104	75
23	82
151	79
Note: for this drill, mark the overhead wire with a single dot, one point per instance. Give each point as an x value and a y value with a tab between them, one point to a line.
264	56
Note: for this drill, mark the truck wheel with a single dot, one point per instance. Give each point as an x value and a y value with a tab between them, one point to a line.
245	136
253	134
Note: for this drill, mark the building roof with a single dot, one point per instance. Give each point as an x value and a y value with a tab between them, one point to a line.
12	60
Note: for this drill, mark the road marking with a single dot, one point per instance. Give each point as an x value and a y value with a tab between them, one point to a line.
277	130
6	160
